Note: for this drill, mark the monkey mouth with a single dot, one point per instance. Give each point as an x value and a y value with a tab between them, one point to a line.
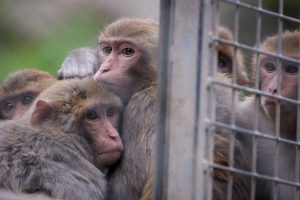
270	103
110	151
108	158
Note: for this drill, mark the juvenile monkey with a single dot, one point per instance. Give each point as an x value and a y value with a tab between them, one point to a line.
19	90
289	76
62	141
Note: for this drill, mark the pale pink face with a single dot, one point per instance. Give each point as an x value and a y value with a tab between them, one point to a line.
102	123
269	76
118	58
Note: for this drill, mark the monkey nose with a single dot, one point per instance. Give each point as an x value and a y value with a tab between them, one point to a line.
104	70
273	90
112	133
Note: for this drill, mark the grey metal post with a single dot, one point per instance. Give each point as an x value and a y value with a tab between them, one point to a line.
182	93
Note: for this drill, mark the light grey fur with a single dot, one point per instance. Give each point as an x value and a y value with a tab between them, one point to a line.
79	63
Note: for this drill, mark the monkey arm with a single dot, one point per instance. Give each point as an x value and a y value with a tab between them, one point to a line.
79	63
138	139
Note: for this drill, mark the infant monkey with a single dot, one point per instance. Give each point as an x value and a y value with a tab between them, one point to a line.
70	132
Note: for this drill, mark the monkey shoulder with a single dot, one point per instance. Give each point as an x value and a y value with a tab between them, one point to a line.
20	140
143	104
32	159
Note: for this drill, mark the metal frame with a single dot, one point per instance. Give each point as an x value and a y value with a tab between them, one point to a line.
187	119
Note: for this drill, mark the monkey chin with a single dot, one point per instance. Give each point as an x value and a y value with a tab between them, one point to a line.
269	106
107	159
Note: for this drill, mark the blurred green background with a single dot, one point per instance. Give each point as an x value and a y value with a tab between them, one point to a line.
40	34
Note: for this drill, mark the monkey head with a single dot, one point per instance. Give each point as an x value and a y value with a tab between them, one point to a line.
19	90
128	52
275	70
86	108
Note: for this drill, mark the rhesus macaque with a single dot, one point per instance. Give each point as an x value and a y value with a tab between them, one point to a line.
128	56
19	90
268	77
227	55
79	63
62	141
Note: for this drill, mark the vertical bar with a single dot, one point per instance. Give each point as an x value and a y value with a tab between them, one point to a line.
233	97
297	163
278	108
178	141
209	51
257	104
161	164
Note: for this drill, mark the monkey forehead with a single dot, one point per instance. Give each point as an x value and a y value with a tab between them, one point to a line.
77	93
225	33
26	79
118	40
290	43
141	29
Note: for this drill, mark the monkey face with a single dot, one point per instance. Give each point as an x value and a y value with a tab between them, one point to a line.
101	123
13	107
288	79
118	58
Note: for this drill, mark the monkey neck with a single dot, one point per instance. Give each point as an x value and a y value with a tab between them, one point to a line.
142	83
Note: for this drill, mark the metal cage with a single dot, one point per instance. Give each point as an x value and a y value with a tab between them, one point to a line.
187	79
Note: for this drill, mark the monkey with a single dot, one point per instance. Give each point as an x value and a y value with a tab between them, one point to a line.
79	63
132	70
64	144
268	76
19	90
226	56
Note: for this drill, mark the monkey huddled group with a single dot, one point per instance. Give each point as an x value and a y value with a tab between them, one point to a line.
91	133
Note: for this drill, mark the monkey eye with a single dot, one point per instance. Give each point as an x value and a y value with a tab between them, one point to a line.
270	67
92	115
127	51
221	63
291	69
107	49
110	112
27	99
8	106
224	64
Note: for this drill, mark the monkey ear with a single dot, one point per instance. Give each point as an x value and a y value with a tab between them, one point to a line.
41	112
